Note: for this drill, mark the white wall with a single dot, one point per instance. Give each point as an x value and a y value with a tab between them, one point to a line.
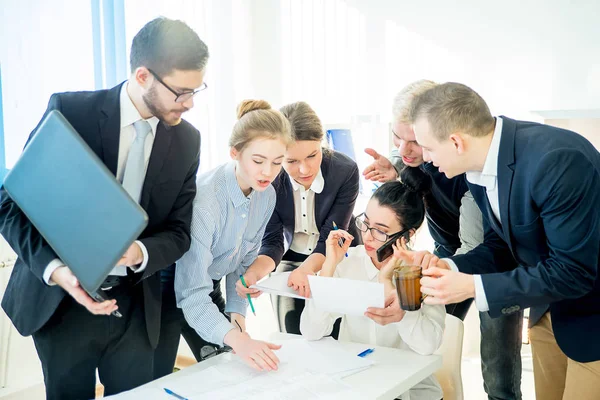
531	54
19	365
45	47
351	58
520	55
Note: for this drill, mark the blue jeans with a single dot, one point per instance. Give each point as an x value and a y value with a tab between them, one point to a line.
500	347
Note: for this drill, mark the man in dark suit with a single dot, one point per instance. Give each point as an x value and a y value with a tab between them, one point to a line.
538	188
455	224
74	335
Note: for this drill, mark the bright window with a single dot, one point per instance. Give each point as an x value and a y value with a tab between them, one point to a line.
45	47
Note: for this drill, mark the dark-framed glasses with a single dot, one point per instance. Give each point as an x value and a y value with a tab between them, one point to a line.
376	233
180	97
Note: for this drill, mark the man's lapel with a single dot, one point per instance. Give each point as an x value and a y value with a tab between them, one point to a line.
109	125
506	161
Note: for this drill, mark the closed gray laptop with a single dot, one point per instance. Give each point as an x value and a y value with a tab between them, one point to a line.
74	201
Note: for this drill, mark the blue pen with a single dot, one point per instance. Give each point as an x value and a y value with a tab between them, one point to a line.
366	352
340	241
172	393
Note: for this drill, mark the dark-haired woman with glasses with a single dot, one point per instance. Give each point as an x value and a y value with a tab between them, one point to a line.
394	212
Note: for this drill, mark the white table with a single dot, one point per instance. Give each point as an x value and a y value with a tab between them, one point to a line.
394	373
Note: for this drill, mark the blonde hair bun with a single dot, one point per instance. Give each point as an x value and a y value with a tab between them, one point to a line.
251	105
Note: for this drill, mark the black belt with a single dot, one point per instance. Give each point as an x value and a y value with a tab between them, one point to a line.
112	281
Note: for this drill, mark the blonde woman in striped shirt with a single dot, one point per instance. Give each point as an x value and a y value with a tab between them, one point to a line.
231	209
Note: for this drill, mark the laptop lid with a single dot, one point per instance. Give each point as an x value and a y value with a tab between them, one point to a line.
74	201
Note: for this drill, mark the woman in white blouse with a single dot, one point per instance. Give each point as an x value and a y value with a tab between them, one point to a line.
394	208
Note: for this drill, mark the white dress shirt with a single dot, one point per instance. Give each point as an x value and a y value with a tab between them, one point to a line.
420	331
488	178
129	114
306	233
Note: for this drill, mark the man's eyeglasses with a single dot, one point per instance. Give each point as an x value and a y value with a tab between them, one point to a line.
180	97
376	233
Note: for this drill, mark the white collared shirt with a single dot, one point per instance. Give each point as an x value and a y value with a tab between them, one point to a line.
420	331
306	233
487	178
129	114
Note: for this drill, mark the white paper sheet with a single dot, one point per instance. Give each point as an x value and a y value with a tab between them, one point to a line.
301	376
153	393
205	381
345	296
292	385
325	356
277	284
235	380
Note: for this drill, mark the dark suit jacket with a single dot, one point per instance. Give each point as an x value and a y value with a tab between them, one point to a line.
549	192
167	195
334	203
442	204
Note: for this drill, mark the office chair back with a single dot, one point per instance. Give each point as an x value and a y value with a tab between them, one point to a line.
449	376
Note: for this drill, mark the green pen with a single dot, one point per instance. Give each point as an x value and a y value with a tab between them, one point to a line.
247	295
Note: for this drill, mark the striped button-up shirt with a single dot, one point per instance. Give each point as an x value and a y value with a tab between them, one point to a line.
227	229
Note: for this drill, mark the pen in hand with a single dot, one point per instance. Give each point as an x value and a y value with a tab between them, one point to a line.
100	298
248	295
340	240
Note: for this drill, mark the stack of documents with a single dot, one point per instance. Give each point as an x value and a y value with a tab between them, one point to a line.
307	371
235	380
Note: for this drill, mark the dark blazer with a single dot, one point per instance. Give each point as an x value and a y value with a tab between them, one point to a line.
443	203
334	203
167	195
443	206
549	191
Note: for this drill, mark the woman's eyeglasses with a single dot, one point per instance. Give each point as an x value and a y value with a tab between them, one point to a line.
376	233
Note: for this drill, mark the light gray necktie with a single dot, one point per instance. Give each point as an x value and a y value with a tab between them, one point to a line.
135	172
135	168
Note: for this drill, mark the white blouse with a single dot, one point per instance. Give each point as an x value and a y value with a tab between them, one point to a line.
420	331
306	232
